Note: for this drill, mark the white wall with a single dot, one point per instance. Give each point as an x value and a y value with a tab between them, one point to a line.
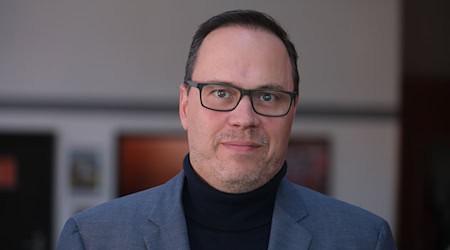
134	52
364	161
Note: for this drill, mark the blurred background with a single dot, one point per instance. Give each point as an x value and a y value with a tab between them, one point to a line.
89	95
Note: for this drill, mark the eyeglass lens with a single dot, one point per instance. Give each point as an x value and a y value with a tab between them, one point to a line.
226	98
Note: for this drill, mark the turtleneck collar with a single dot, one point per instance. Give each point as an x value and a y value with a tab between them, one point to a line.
224	211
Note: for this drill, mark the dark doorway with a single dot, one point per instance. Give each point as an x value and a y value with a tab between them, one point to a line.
424	215
26	170
424	199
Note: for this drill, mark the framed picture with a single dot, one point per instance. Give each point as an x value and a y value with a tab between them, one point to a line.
147	160
309	162
84	170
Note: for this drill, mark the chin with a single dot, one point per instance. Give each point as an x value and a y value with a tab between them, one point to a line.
239	175
243	184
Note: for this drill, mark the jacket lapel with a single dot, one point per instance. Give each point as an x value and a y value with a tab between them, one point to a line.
167	227
286	232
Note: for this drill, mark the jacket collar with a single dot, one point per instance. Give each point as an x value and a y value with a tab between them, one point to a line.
168	229
287	232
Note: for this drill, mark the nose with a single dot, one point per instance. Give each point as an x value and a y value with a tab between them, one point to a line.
244	115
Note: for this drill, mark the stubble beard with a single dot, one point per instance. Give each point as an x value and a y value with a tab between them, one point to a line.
225	170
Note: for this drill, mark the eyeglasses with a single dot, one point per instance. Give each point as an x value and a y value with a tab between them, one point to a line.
225	97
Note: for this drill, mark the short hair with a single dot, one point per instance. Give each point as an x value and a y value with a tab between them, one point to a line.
246	18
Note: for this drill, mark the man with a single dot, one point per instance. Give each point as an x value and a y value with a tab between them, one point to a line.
237	105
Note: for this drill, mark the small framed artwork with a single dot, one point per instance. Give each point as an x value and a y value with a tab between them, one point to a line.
84	170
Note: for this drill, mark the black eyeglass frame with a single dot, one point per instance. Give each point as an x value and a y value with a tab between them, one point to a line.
243	92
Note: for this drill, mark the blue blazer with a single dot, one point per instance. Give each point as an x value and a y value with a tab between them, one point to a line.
154	219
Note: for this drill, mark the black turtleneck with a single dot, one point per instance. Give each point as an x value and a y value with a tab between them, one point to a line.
218	220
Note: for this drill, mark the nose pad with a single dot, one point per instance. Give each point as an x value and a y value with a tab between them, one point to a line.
244	115
246	103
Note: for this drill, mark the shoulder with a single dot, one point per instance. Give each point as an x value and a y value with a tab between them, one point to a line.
124	221
131	209
318	204
333	221
136	204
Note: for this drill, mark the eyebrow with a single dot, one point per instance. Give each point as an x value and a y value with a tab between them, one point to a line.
272	86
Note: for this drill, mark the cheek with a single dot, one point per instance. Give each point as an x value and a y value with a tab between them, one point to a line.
279	134
203	126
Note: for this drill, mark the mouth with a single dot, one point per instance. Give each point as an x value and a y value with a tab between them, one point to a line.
241	146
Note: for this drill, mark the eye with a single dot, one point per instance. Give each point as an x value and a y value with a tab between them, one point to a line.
267	97
221	93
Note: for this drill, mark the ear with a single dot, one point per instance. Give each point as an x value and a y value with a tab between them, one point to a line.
183	105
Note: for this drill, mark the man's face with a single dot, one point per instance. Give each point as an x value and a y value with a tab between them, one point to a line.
237	151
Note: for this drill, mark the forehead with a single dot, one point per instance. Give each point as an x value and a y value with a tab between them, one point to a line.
241	55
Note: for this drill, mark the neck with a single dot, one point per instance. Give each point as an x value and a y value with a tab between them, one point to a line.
226	211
